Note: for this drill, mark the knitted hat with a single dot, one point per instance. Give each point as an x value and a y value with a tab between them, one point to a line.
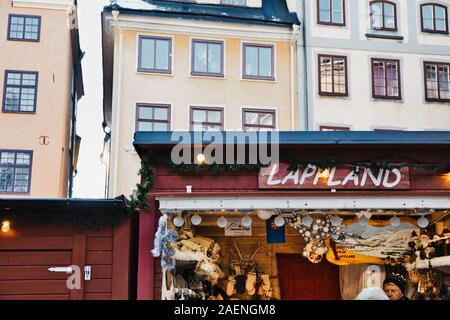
374	293
397	279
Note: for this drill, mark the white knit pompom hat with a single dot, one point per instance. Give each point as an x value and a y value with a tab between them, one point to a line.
374	293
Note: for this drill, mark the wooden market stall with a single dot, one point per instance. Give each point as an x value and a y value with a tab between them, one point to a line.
403	174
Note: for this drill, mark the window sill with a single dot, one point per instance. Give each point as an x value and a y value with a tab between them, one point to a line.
434	33
155	73
207	76
439	101
19	112
259	80
15	193
332	95
394	99
384	36
24	40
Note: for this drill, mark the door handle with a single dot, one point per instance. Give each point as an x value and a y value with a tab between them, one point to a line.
61	269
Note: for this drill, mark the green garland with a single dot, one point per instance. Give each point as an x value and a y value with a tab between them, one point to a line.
147	175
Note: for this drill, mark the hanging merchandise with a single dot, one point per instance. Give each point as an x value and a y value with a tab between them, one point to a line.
315	229
163	238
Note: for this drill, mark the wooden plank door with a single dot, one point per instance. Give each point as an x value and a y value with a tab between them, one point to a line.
24	264
301	279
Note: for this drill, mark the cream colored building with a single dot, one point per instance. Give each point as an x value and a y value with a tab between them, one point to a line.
399	39
169	69
41	82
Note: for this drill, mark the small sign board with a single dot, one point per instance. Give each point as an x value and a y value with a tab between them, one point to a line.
235	228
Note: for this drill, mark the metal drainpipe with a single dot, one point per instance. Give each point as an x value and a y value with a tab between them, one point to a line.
115	14
295	29
305	69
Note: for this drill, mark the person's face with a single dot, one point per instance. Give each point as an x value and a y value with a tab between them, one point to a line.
392	291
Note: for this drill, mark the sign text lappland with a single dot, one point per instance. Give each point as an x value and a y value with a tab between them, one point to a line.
277	176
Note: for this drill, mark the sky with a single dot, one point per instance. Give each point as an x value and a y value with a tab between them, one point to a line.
90	180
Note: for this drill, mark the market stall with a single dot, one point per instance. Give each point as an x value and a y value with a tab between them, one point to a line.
290	229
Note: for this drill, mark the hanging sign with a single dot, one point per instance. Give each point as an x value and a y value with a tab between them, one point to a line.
343	255
277	176
235	228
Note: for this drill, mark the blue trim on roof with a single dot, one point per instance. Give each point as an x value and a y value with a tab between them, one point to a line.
310	138
272	12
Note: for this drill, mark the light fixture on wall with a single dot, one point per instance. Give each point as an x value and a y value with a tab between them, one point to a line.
178	221
279	221
6	226
422	222
395	221
222	222
246	221
264	214
196	219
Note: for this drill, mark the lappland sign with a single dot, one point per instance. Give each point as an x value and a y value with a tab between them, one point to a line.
277	176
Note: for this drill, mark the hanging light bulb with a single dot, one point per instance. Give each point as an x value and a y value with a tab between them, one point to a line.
264	214
279	221
363	221
307	221
6	226
201	158
196	220
178	221
222	222
247	221
324	173
395	221
422	222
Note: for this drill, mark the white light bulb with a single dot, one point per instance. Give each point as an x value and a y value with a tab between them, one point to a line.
178	221
422	222
279	221
196	220
247	221
201	158
6	226
222	222
395	221
264	214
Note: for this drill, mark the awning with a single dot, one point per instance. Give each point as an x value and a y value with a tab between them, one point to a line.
303	203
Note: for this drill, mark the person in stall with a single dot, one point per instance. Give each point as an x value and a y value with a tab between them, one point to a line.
395	286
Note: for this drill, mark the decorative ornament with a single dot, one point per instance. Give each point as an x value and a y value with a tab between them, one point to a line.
363	221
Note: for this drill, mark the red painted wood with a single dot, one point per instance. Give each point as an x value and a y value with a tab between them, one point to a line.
121	261
97	296
35	258
36	243
29	273
99	244
98	286
14	287
79	259
146	261
36	297
99	257
301	279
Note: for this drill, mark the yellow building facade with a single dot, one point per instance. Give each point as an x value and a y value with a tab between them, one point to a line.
40	83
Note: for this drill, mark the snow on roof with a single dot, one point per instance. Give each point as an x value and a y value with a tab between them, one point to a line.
135	4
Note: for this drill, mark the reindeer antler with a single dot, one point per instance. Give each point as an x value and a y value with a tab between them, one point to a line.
237	250
259	248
